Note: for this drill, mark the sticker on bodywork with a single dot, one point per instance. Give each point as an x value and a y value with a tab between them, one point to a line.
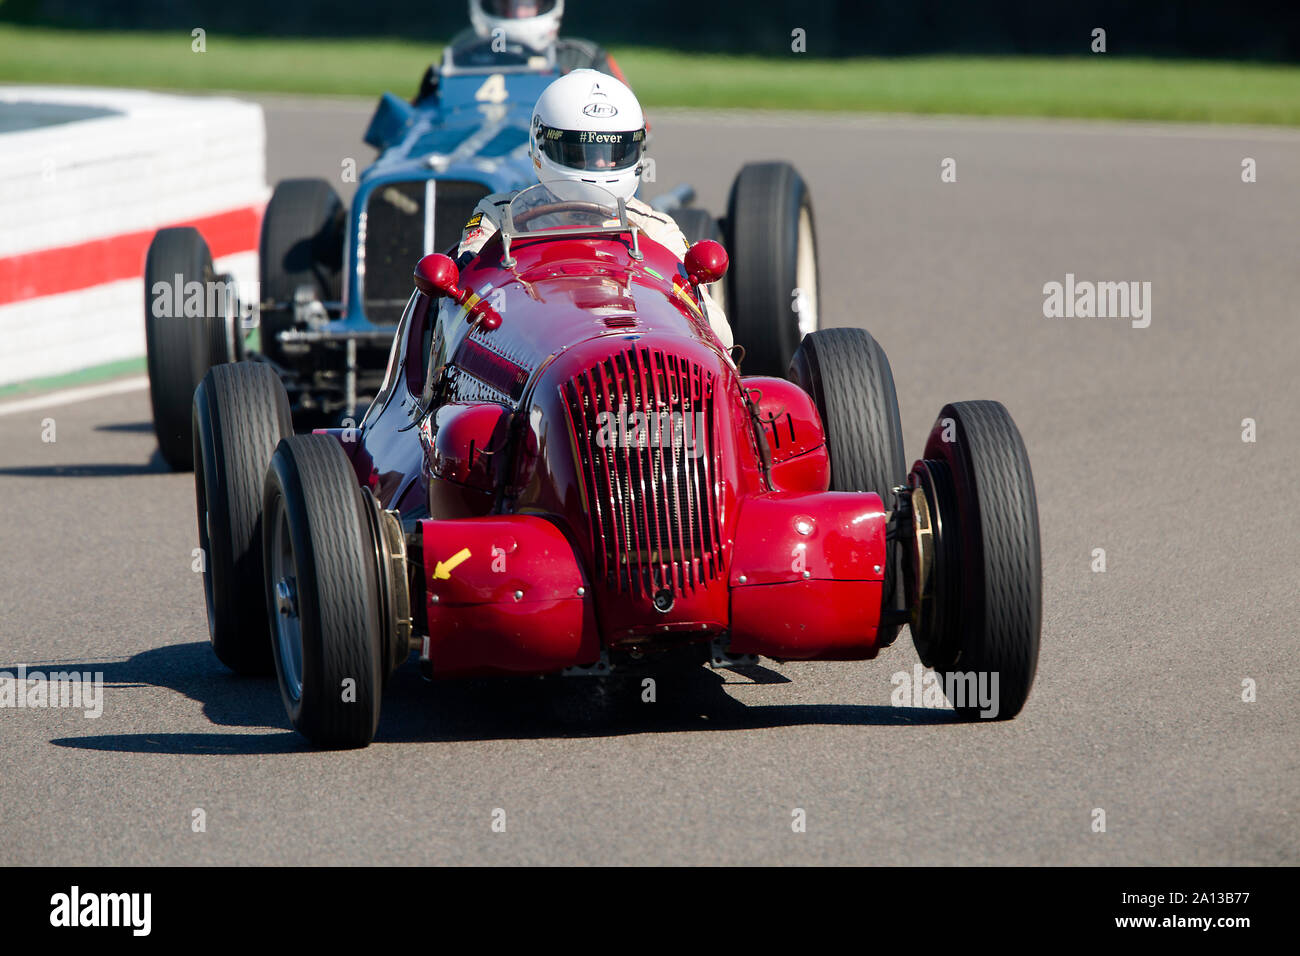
442	570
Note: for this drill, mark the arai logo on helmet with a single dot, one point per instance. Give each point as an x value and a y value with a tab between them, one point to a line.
599	110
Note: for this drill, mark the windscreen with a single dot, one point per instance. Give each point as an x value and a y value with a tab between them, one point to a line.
562	204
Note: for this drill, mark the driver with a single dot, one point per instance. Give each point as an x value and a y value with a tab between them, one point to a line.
513	31
570	113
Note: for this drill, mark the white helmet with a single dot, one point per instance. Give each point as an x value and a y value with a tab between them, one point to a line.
534	23
588	127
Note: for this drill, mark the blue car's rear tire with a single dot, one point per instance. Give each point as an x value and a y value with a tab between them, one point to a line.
179	347
772	294
301	244
697	224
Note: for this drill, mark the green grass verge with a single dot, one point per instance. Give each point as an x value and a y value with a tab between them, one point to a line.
85	376
1096	87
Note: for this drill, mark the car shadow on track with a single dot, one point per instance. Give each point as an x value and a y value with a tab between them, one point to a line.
240	703
418	711
691	700
114	469
141	428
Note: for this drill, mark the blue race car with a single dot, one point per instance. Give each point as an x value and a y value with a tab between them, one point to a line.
334	281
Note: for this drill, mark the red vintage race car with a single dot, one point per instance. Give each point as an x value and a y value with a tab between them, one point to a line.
565	473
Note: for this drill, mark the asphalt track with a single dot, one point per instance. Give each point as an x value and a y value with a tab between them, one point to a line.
1136	441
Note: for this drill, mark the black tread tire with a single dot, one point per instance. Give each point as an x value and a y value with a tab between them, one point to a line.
241	412
301	244
697	224
179	349
849	378
1001	558
763	212
338	604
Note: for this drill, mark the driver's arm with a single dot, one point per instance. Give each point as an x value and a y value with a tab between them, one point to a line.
660	227
482	224
663	229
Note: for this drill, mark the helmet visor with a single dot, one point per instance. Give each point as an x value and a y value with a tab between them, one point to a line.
591	151
517	9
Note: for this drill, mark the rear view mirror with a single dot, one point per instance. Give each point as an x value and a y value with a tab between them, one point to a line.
706	262
437	275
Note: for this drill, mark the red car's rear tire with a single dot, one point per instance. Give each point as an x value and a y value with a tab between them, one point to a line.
848	376
240	413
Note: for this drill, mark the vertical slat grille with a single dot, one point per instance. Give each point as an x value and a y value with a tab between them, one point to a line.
643	426
395	234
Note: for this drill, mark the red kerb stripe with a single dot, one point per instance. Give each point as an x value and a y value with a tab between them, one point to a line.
30	275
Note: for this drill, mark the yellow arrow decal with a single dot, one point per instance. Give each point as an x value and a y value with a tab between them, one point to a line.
442	570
